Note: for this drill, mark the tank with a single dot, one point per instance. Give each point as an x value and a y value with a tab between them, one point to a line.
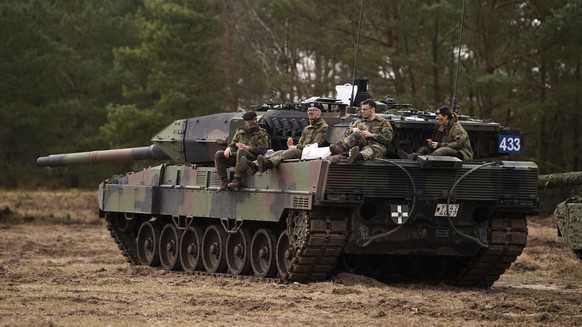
434	219
569	218
568	214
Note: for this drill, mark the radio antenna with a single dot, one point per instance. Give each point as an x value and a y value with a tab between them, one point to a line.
357	48
454	106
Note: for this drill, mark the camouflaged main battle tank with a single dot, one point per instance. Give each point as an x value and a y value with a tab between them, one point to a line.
568	214
434	219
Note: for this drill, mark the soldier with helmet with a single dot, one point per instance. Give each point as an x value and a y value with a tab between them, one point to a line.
250	142
366	138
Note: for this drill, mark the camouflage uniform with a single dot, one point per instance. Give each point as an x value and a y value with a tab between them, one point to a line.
258	141
313	133
453	141
372	147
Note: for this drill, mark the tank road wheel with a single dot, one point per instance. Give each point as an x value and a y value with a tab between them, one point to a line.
237	252
263	253
284	256
126	222
213	249
169	246
351	263
190	249
147	241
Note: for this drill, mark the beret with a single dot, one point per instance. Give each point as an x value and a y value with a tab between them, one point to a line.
249	115
316	105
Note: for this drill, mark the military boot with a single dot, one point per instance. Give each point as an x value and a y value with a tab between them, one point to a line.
223	184
264	164
235	184
251	166
355	155
337	148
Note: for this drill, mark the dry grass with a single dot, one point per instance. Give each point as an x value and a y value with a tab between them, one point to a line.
63	271
61	206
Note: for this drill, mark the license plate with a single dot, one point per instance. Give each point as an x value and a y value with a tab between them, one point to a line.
441	210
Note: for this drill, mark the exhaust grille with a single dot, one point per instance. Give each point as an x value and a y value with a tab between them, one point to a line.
488	183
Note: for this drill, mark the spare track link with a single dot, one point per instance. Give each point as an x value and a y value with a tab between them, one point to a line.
125	242
323	242
507	238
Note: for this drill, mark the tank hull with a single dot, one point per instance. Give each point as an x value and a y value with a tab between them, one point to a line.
307	220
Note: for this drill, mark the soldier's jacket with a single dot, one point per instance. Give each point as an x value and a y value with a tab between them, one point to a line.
313	133
255	137
454	136
379	126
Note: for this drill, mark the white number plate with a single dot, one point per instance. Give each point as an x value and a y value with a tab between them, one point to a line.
441	210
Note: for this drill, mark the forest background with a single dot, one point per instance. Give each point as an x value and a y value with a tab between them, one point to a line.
98	74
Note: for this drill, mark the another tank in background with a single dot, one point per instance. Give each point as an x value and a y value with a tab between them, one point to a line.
568	214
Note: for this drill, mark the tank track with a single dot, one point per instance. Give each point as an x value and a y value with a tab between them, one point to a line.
315	259
125	242
320	248
507	239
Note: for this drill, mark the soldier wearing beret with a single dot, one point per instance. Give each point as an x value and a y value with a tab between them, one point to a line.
313	133
249	141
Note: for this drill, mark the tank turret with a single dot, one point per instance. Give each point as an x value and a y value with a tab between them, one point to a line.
196	140
193	140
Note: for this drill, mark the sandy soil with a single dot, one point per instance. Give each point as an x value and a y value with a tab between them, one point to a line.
60	274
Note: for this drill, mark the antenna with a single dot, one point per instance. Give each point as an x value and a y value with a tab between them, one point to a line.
356	59
454	106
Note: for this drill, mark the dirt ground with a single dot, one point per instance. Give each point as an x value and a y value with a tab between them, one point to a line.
59	267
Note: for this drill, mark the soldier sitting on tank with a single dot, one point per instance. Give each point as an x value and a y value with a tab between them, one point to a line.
249	141
366	138
313	133
450	139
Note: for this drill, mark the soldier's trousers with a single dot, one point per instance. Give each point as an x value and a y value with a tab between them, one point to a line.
444	151
281	155
221	162
367	150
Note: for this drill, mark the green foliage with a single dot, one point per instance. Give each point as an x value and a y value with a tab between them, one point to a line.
77	76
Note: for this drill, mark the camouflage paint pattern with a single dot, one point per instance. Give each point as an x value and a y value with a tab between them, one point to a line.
367	192
152	152
341	205
315	132
258	141
196	140
453	136
372	147
277	157
191	191
569	218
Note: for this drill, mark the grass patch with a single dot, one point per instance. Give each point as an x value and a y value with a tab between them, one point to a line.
44	206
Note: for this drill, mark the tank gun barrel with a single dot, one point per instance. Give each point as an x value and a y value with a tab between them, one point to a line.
573	178
152	152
